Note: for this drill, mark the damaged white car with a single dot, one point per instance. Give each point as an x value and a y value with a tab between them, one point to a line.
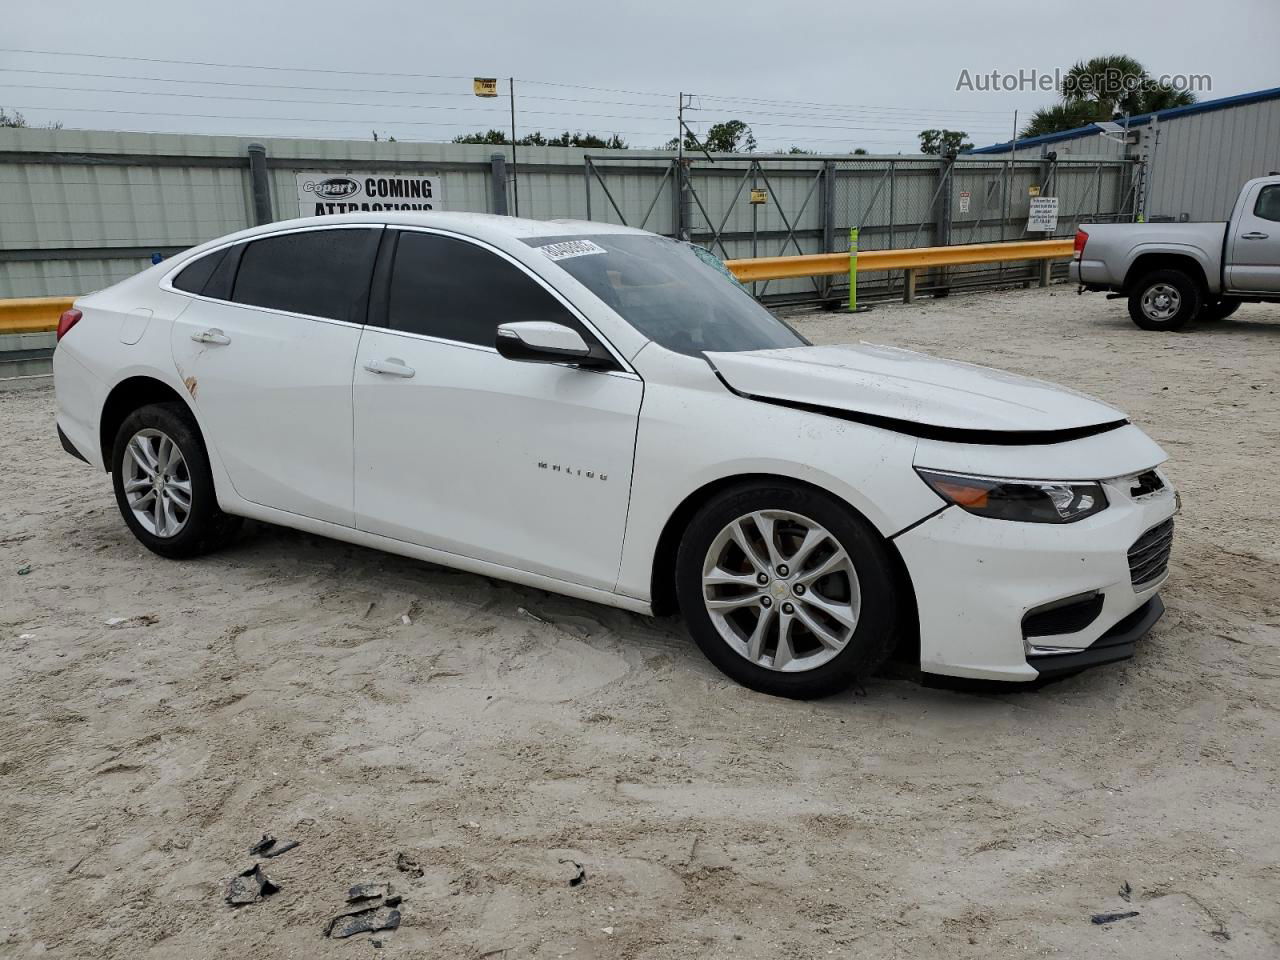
598	411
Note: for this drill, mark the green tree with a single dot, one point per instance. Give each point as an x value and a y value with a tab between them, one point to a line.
943	142
1099	89
539	139
495	137
1063	116
727	136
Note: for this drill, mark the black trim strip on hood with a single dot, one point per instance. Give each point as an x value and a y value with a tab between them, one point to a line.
929	431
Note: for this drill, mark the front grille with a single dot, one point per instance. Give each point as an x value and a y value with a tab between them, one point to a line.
1149	556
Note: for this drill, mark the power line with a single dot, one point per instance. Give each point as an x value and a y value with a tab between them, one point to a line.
840	106
412	106
324	70
290	86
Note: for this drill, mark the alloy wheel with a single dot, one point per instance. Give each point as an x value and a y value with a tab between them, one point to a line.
1161	301
157	483
781	590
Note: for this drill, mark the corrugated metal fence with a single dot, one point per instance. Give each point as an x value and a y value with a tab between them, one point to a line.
80	210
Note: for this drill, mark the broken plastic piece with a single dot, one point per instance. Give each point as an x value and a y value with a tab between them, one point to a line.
366	920
269	846
1101	918
249	886
369	891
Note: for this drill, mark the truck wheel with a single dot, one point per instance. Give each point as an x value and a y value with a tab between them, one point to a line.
1217	310
1164	300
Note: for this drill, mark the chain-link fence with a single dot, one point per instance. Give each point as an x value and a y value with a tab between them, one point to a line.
764	207
80	210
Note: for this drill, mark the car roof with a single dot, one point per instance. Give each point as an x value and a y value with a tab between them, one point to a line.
482	226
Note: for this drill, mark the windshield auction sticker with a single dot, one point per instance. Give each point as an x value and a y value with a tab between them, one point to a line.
324	193
566	249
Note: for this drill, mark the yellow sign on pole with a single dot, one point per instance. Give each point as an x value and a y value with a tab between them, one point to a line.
485	86
1033	190
759	195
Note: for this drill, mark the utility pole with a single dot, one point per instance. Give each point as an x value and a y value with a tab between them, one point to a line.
515	175
679	181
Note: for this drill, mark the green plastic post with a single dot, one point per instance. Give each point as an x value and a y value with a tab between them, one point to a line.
853	269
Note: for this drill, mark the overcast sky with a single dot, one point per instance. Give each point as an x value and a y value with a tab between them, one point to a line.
836	76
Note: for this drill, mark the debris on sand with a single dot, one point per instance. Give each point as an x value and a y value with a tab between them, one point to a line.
579	873
368	891
1126	892
365	920
249	886
269	846
1101	918
407	864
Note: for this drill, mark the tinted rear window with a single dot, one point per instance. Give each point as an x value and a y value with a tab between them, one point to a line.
195	276
321	273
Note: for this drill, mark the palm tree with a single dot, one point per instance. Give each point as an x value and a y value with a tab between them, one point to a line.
1101	87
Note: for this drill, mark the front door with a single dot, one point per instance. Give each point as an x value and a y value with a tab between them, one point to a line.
1253	249
526	465
266	350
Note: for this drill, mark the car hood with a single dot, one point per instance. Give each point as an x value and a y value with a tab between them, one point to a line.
891	384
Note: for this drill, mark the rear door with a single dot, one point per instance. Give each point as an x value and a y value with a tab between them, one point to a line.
1253	260
527	465
266	350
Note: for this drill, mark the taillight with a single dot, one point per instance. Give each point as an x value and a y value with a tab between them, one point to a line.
1081	239
68	320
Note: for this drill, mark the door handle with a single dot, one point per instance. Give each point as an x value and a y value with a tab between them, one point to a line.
212	335
1253	236
392	367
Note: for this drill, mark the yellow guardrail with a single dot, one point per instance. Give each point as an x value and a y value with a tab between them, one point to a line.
40	314
915	258
32	314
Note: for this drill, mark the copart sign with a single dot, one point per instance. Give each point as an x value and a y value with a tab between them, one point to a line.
324	193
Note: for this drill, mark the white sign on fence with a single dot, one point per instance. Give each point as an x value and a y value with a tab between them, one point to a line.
1043	217
964	201
321	192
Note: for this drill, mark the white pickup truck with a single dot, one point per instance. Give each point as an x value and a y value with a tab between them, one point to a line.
1173	273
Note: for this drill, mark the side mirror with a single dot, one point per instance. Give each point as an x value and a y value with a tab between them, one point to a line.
539	341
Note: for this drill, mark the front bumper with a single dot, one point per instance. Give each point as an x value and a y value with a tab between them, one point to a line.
977	579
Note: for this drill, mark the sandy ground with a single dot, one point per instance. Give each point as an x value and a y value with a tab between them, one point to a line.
275	687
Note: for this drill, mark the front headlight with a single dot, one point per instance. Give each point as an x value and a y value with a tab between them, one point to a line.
1030	501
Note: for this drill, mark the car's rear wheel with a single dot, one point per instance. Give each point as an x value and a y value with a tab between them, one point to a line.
163	484
1164	300
787	590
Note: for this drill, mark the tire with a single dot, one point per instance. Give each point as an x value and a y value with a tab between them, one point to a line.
1217	310
175	532
863	590
1165	300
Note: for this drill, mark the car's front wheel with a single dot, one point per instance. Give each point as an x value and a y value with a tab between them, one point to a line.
163	484
787	590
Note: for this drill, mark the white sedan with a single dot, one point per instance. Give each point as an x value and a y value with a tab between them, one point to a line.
598	411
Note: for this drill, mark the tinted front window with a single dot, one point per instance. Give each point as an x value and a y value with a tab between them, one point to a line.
669	293
448	288
323	273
